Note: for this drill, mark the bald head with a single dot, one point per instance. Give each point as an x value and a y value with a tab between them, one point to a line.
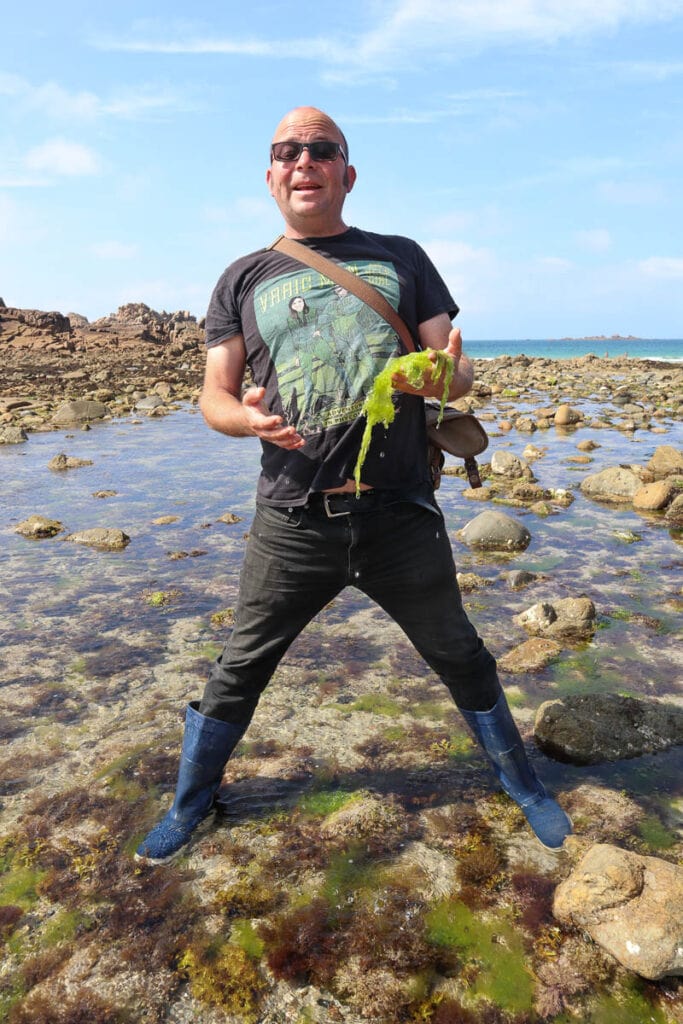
310	119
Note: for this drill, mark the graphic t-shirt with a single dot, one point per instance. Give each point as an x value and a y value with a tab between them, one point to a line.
316	349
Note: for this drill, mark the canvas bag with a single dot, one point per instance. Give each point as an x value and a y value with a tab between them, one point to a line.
459	433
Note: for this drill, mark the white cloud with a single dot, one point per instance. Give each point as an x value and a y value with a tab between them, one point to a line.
406	28
56	103
113	250
61	157
594	239
667	268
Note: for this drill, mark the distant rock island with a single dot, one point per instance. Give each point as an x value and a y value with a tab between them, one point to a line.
603	337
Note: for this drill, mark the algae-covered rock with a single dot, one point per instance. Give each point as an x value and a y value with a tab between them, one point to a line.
101	538
37	527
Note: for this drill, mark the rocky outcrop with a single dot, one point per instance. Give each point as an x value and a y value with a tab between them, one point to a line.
100	538
632	906
596	727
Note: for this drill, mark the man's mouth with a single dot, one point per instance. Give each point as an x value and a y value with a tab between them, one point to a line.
306	186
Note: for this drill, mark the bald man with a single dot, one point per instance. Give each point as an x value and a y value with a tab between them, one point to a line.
312	536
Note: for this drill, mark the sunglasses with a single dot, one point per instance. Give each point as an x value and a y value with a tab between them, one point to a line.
321	152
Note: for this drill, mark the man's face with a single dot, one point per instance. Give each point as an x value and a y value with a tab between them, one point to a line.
310	194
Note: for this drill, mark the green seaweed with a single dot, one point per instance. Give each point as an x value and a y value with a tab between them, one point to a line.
325	801
378	406
377	704
656	835
493	946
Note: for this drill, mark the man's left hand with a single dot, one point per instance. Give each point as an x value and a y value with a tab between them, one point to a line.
461	381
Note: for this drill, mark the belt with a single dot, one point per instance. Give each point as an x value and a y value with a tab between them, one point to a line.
346	503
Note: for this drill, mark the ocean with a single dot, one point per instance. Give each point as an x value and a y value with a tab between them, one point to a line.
667	349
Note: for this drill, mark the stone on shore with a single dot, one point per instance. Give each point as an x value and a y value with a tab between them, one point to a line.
530	656
570	618
37	527
674	513
666	461
495	531
596	727
80	411
615	485
61	462
101	538
566	416
12	435
654	497
630	905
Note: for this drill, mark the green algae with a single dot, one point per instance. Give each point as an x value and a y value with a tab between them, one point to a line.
656	835
493	946
325	801
378	406
377	704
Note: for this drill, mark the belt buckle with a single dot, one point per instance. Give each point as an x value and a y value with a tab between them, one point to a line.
328	511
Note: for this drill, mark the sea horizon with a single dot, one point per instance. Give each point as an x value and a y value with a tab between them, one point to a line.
668	350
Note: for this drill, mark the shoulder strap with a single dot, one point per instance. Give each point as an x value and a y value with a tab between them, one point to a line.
347	280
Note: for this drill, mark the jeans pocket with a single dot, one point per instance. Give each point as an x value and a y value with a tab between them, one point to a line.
280	515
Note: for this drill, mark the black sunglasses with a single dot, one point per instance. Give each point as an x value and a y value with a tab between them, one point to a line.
321	152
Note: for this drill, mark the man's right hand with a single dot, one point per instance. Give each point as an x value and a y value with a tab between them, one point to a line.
264	425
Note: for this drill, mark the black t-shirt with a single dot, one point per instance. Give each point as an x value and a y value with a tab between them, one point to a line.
317	348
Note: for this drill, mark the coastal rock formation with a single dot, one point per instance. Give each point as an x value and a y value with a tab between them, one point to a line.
596	727
64	370
570	618
616	485
630	905
531	656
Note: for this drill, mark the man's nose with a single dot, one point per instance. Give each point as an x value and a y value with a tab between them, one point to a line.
304	158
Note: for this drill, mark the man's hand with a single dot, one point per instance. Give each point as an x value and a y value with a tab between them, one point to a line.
461	381
264	424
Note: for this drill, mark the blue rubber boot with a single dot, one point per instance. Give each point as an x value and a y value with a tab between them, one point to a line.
498	735
207	745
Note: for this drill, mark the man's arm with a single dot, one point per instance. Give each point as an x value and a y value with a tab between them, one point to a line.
437	333
227	410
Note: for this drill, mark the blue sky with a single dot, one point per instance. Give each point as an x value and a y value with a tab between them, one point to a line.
534	147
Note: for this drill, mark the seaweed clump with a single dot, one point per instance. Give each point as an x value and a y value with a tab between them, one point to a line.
378	406
222	973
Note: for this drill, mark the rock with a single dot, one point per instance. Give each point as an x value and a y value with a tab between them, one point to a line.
81	411
61	462
530	656
520	578
506	464
666	461
632	906
469	581
674	513
37	527
566	416
587	446
570	618
654	497
495	531
229	518
101	538
12	435
616	485
149	404
596	727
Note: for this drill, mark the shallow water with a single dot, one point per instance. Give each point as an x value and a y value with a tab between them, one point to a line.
65	605
100	651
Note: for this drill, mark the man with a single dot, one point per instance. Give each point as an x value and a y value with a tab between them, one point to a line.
311	535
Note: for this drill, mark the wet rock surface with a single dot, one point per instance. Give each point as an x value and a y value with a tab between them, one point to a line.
588	729
630	905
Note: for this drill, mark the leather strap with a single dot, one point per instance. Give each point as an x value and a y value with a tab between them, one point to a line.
369	295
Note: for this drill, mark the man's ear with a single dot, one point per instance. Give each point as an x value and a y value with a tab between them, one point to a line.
269	181
350	177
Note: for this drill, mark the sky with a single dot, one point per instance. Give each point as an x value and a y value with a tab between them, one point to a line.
533	147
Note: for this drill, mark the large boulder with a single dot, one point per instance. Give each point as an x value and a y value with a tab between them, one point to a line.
632	906
101	538
596	727
495	531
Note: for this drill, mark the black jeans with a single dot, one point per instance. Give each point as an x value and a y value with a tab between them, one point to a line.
297	560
